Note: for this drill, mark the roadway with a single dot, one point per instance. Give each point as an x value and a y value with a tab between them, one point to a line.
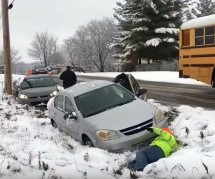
172	93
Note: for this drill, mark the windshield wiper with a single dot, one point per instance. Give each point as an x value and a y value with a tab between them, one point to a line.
125	102
120	104
97	112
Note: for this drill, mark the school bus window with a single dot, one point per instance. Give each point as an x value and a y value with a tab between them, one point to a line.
199	32
186	38
209	30
199	36
209	35
199	41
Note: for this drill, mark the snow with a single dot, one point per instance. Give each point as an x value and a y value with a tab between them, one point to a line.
153	42
31	148
159	76
164	30
199	22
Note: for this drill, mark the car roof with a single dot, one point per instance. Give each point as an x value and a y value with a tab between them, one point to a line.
85	87
36	76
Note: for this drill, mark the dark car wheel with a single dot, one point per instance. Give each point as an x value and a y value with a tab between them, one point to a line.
87	141
53	123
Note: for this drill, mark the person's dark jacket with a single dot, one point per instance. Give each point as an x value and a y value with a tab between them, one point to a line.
123	80
69	78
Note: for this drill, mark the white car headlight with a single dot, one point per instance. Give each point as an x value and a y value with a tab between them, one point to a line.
53	93
22	96
159	116
107	134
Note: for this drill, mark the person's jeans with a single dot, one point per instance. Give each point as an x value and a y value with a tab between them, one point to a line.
146	156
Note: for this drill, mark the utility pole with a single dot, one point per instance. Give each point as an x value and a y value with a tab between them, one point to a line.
6	48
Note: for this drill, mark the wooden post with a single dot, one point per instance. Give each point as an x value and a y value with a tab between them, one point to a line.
6	48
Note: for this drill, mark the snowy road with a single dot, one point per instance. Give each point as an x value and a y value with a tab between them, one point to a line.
178	94
174	94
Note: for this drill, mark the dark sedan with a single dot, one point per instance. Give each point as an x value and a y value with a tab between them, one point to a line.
36	89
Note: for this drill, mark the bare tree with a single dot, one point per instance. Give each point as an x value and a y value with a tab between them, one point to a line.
43	47
55	58
90	44
69	50
15	58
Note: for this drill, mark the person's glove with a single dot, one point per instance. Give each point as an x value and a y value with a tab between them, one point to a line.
150	129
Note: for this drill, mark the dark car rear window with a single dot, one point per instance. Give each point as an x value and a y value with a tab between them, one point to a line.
37	82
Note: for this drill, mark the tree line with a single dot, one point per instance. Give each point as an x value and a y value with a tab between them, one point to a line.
142	31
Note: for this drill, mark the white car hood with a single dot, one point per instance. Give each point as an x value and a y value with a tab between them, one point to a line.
123	116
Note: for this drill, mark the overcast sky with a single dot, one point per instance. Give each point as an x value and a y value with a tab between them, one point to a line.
58	17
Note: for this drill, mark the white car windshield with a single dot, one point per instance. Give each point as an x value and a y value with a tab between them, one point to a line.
103	99
37	82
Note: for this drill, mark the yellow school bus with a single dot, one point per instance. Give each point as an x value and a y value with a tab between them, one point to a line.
197	49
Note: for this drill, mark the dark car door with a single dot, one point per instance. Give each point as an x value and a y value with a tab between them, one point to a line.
134	84
137	90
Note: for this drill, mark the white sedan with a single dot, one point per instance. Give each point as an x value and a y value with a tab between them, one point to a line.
104	114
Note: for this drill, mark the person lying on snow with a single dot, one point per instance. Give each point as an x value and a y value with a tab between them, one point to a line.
161	147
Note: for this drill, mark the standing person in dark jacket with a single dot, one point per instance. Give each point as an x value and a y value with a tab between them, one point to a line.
123	80
69	78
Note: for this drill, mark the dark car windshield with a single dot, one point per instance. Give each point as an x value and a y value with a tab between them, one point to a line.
37	82
103	99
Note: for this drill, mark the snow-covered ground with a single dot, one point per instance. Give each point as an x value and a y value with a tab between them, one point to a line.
31	148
